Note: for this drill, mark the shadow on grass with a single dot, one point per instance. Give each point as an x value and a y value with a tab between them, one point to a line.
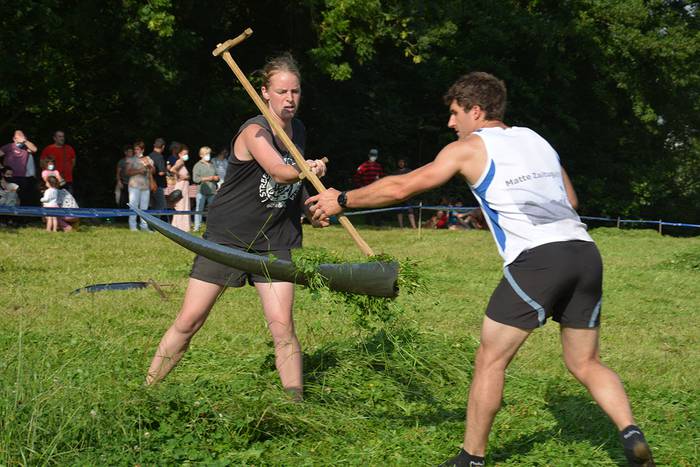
579	420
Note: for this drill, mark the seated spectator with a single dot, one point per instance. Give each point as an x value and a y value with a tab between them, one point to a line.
475	220
66	201
179	169
204	174
8	190
438	221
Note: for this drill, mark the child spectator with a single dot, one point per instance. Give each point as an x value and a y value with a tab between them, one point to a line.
50	200
48	166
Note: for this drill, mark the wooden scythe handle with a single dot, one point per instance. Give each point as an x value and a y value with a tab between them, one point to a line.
222	49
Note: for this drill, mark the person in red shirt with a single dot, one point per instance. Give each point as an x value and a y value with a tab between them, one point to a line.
370	170
64	156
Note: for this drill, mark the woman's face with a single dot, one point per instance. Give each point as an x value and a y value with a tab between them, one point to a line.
283	94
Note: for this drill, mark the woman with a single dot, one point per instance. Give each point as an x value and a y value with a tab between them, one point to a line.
182	177
137	168
257	209
204	174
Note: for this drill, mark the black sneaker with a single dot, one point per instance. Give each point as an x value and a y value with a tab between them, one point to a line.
637	450
463	459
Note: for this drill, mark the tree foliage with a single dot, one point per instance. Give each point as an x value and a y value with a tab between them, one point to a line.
613	84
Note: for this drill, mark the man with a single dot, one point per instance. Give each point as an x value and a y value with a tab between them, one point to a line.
551	265
64	156
19	157
368	172
158	197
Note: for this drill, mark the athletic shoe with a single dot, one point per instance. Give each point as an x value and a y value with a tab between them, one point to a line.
463	459
637	450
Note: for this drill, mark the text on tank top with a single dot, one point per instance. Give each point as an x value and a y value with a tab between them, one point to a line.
251	210
522	192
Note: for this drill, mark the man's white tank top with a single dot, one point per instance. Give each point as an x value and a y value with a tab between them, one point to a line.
522	193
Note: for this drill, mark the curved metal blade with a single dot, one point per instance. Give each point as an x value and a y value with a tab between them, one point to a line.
376	279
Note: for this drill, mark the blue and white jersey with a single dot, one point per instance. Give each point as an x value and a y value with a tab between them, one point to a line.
522	192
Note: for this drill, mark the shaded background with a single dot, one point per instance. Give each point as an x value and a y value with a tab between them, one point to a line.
614	85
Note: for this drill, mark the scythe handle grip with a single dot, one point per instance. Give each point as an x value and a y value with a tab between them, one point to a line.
221	48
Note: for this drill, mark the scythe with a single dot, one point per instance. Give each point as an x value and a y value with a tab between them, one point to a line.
377	278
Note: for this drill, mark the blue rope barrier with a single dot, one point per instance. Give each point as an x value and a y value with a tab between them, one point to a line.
37	211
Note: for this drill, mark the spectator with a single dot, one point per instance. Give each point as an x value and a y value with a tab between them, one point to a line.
18	157
204	173
174	151
221	165
8	190
48	168
66	201
158	197
438	221
121	190
370	170
64	155
475	220
403	169
50	200
182	221
137	168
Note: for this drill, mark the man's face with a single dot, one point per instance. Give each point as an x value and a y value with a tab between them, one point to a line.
59	138
138	151
19	137
462	122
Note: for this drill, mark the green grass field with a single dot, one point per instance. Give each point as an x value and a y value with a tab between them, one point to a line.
72	367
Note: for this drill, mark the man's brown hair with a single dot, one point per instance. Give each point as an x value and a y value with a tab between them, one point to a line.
482	89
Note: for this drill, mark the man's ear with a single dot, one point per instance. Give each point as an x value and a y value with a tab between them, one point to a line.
263	91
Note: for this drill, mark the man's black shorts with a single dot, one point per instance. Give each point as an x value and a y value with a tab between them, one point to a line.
561	280
210	271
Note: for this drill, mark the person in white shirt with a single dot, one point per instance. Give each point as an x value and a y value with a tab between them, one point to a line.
552	268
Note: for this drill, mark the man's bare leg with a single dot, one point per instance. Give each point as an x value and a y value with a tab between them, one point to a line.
582	358
277	299
499	344
199	299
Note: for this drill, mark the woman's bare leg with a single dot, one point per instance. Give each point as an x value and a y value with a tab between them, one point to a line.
199	299
277	300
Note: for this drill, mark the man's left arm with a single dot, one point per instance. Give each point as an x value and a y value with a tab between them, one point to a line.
396	188
570	192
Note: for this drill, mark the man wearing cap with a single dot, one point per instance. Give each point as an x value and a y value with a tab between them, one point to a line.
369	172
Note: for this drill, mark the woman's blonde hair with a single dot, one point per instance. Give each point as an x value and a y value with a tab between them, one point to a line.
284	62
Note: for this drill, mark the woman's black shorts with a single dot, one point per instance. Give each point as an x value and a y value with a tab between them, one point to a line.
210	271
561	280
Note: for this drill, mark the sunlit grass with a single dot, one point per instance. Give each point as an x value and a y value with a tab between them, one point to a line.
72	367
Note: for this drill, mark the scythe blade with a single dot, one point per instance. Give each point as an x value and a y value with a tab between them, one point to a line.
376	278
